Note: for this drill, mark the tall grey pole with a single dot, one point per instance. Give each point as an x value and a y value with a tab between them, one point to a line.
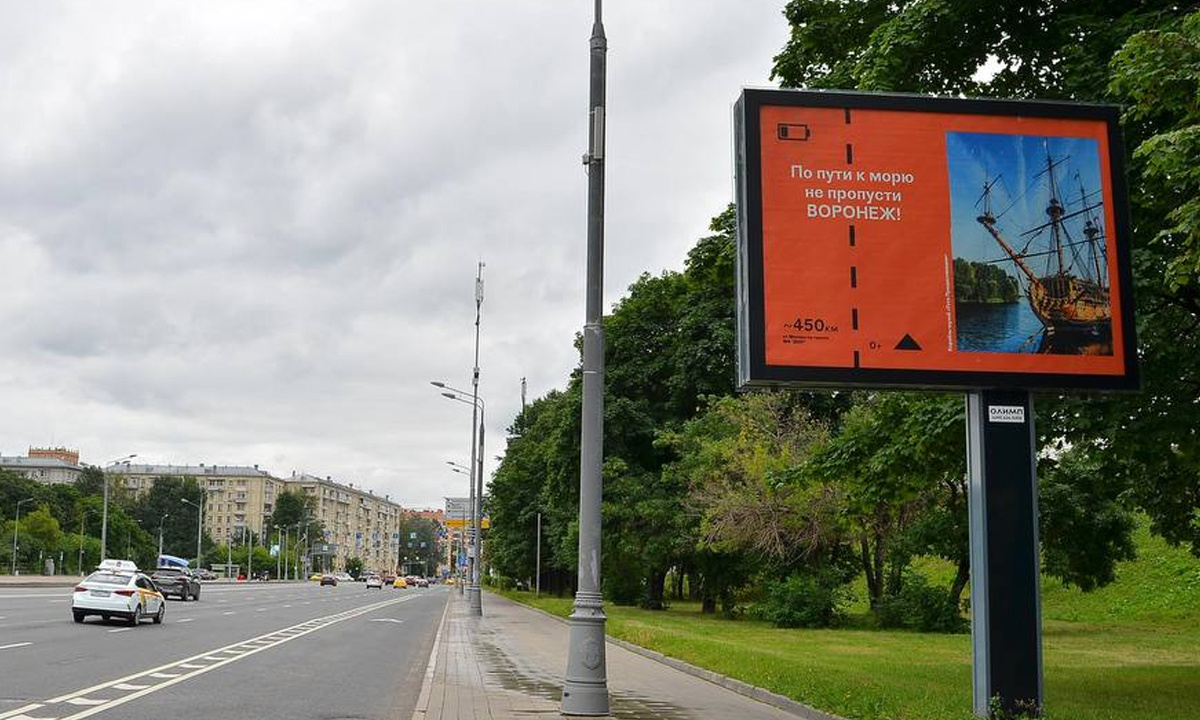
477	598
200	525
474	601
585	691
16	525
104	522
538	576
81	516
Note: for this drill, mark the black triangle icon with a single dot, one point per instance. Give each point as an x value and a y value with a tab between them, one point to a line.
907	343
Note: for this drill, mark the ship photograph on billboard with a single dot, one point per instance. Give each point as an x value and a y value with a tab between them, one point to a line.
896	240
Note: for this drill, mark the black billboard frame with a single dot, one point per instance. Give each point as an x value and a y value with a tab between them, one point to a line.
753	370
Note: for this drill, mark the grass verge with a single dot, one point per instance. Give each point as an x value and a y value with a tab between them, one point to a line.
1130	651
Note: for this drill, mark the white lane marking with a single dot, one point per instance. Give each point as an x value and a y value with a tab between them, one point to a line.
39	595
391	620
86	701
185	620
260	610
14	645
231	612
189	666
274	638
287	606
20	712
121	630
129	686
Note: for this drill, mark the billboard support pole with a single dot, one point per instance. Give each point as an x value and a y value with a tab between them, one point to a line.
1006	630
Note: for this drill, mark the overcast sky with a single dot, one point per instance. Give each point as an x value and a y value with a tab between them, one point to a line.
247	232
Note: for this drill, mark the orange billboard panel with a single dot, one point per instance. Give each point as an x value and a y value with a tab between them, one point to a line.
893	241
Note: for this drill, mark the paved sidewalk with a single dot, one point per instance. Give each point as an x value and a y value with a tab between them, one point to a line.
509	664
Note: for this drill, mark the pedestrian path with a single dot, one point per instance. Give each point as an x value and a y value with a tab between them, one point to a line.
509	664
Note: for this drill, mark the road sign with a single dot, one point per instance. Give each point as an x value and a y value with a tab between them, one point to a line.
889	240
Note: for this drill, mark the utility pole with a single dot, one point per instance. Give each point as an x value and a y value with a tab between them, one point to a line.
538	577
474	595
522	394
160	535
585	691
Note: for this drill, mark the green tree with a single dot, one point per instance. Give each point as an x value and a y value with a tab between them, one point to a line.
354	566
1142	53
165	499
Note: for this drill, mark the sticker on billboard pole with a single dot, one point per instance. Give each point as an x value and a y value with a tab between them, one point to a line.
893	240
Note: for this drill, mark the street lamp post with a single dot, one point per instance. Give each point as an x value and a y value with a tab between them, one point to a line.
279	549
16	525
104	518
160	535
474	556
82	514
585	691
199	524
462	536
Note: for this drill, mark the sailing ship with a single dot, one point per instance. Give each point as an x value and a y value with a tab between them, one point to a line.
1069	289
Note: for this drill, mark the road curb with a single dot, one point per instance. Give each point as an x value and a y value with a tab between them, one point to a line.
753	692
422	707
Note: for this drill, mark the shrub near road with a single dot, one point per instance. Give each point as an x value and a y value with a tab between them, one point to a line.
1129	651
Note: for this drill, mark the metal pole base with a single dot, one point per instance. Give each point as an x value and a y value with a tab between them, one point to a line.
475	600
585	691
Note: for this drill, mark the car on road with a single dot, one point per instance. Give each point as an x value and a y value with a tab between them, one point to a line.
343	577
389	578
176	581
117	589
422	582
399	583
315	577
206	574
329	579
374	581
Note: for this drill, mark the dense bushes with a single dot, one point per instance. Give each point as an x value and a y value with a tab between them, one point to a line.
920	606
802	600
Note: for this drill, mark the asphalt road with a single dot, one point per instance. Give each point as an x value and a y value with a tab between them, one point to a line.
250	651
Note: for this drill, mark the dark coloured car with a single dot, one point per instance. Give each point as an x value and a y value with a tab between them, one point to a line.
177	582
328	579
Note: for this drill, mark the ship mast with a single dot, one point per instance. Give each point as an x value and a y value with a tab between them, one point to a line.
1091	232
1054	210
988	221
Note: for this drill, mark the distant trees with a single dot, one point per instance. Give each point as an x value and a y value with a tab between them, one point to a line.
983	283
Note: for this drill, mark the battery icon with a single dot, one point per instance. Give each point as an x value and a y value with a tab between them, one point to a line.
794	131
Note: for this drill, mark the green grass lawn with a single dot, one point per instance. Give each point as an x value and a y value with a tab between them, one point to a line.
1130	651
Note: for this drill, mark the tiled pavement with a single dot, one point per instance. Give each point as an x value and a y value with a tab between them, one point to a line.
509	664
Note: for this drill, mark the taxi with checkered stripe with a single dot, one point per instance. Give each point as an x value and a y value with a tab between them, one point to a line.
118	589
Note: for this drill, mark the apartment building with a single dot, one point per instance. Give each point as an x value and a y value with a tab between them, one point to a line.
236	496
48	465
357	522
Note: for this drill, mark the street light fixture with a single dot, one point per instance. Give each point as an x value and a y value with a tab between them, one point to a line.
83	513
16	525
104	519
199	524
160	536
478	407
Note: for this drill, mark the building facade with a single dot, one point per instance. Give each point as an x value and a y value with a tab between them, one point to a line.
48	465
235	496
357	522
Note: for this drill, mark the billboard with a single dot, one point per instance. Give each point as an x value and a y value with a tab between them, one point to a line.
894	240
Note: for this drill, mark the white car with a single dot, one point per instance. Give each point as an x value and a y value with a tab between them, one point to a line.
374	581
117	589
